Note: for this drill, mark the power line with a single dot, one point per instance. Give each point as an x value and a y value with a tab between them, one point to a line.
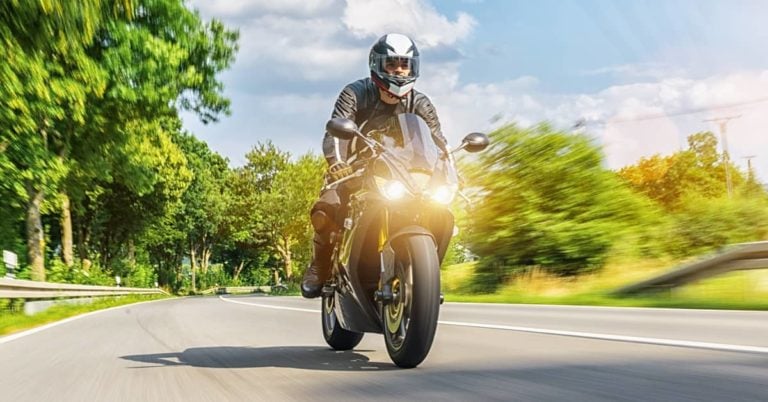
584	122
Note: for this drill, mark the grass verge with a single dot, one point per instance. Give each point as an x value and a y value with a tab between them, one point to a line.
14	322
746	290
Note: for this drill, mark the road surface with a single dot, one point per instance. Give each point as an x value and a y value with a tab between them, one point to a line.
249	348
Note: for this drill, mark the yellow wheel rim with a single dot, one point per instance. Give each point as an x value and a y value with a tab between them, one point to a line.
395	310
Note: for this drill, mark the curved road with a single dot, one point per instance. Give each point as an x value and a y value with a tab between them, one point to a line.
270	348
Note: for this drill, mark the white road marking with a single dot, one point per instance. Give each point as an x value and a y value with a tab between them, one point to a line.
577	334
13	337
620	338
306	310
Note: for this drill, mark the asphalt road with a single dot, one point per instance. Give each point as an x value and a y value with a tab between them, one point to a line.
265	348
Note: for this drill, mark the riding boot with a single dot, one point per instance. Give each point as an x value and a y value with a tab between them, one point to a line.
320	268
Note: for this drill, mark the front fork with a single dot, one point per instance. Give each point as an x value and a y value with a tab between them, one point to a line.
387	261
385	295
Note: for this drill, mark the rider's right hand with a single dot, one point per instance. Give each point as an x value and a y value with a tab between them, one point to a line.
339	170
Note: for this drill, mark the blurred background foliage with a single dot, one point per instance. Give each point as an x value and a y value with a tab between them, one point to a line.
99	179
548	204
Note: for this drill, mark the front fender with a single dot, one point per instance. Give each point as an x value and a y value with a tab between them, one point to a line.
388	253
412	230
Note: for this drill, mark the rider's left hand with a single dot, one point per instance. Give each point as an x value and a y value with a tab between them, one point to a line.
339	170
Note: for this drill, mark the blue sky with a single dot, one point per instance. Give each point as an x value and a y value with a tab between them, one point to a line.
561	41
486	63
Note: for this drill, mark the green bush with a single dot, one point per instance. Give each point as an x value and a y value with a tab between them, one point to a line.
703	225
11	306
546	201
59	272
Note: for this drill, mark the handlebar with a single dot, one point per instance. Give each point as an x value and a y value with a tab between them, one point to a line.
342	180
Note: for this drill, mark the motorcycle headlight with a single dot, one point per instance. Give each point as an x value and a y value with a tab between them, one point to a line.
443	194
391	189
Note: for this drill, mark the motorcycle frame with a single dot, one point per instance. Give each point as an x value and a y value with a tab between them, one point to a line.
372	225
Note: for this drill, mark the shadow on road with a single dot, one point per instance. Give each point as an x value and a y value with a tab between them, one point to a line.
302	357
718	377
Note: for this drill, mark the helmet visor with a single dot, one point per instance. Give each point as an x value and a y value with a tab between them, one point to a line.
395	66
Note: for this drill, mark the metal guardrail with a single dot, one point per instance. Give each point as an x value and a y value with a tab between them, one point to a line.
23	289
734	258
240	289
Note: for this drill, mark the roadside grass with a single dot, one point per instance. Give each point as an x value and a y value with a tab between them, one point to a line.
17	321
743	290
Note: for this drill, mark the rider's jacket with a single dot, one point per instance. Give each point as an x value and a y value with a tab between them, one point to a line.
360	101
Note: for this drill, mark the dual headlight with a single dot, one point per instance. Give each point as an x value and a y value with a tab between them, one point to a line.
394	189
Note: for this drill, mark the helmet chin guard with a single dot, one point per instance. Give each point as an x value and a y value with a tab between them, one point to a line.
394	64
397	91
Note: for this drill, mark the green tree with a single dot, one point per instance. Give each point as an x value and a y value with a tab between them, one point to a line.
243	247
704	224
162	60
250	211
89	106
204	202
696	171
46	77
546	201
690	186
272	199
286	210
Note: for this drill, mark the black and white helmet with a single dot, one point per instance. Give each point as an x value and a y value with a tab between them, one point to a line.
394	63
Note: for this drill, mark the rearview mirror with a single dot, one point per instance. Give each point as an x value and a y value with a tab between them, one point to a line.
343	129
475	142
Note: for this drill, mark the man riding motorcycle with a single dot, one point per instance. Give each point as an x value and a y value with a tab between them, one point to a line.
394	65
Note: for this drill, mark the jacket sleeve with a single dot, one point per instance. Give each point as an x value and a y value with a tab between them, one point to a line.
335	149
426	110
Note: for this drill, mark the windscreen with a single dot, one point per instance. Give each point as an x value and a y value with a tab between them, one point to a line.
408	138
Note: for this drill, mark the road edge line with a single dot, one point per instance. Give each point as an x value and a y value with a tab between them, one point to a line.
619	338
18	335
304	310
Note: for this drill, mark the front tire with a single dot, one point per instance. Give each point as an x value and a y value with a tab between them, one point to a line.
337	337
410	321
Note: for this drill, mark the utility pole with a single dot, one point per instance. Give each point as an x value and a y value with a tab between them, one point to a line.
749	165
723	122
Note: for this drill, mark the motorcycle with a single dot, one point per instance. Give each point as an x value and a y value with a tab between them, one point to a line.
387	254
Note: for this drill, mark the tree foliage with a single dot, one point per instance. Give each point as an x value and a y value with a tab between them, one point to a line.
93	158
699	170
546	201
690	185
89	107
276	195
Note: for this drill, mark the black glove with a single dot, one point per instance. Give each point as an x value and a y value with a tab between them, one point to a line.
339	170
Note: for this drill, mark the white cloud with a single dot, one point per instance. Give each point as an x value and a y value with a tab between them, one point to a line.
292	105
299	48
416	18
297	41
630	121
237	8
661	123
639	70
326	39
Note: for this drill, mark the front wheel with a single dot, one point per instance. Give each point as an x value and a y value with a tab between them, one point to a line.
410	320
337	337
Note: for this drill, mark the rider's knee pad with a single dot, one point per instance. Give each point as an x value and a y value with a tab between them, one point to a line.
319	220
